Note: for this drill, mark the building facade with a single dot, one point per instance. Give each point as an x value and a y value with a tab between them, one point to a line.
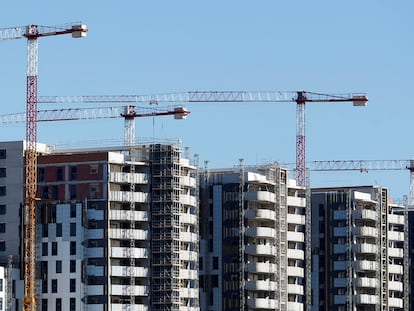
357	250
117	229
252	245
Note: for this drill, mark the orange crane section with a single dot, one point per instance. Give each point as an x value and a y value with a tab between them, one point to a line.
32	33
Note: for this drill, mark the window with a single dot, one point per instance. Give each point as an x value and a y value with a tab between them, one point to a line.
94	169
44	249
3	154
73	172
58	230
73	248
44	304
2	246
41	174
55	192
2	209
2	172
1	286
58	305
2	191
54	286
45	230
59	173
72	306
2	227
215	280
73	191
72	286
72	266
72	229
72	210
200	263
215	262
44	286
54	249
58	266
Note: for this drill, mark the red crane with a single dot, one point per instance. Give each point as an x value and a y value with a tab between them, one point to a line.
32	33
298	97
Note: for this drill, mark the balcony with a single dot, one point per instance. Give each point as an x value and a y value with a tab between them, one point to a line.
127	252
295	236
128	290
128	215
262	303
262	285
297	306
365	214
128	196
188	274
296	219
396	236
395	269
128	178
395	286
365	299
261	214
188	181
118	306
264	250
295	201
260	232
189	219
365	231
127	271
295	271
264	196
395	302
295	254
188	292
396	219
188	199
123	234
395	252
188	255
261	267
295	289
366	282
365	248
365	265
188	237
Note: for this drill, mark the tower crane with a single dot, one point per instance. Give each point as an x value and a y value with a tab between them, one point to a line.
32	33
298	97
129	113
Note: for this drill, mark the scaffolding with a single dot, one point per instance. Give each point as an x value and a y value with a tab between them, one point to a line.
242	262
383	249
165	227
131	240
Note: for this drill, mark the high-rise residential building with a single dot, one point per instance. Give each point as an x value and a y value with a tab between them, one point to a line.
357	250
117	227
252	226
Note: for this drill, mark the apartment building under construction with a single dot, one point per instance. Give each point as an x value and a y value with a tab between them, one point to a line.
357	250
252	250
117	227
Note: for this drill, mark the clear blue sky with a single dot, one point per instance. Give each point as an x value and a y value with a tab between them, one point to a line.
147	47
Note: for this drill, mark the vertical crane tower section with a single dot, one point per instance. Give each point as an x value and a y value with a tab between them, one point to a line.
32	33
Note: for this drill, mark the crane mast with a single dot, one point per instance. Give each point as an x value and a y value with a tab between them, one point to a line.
32	33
